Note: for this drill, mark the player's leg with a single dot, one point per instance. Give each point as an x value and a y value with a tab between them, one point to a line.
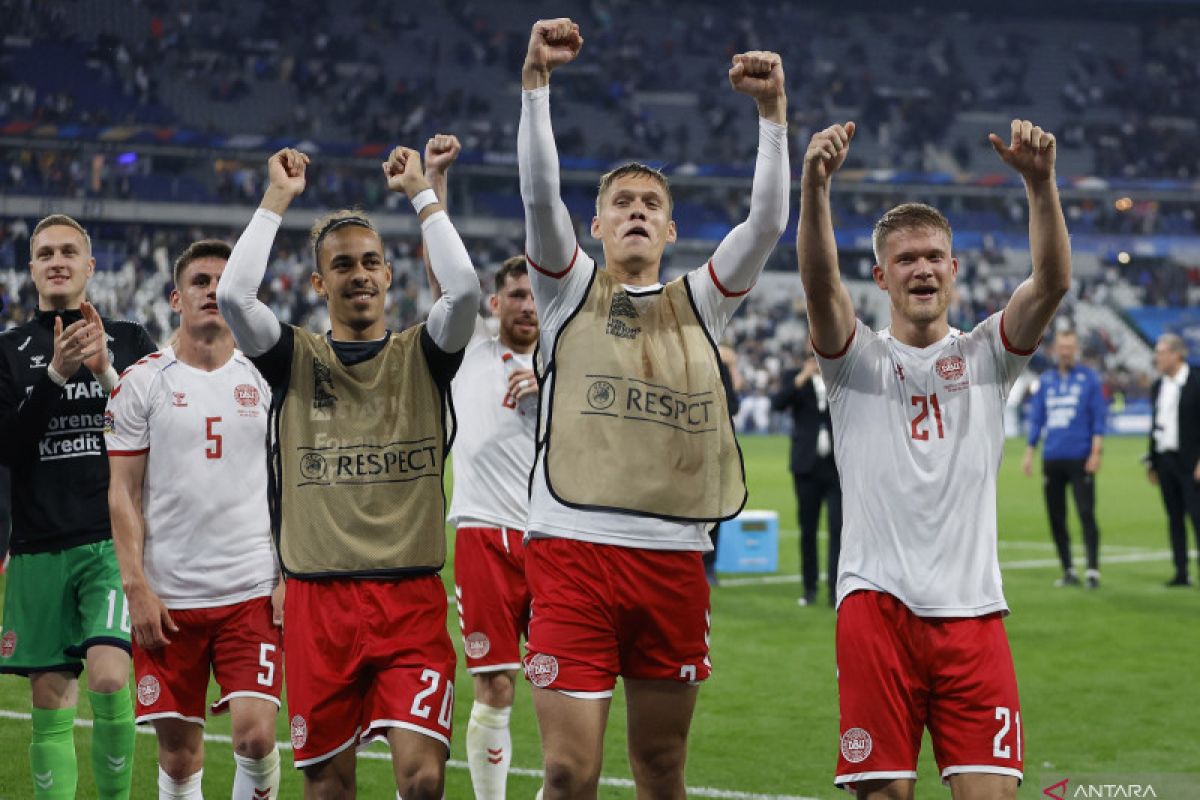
104	617
52	749
572	657
322	677
411	696
1083	488
493	613
975	710
40	625
808	512
248	665
659	717
882	696
180	758
1054	486
489	740
572	731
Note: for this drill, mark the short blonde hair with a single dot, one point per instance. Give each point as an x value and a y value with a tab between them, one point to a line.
635	169
60	219
908	216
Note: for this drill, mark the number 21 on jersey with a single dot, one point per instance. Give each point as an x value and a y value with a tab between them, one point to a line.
920	425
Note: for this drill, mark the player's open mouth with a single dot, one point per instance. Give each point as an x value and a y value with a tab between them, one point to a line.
209	307
923	291
363	296
637	230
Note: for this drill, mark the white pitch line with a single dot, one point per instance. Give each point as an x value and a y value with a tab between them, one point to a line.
376	755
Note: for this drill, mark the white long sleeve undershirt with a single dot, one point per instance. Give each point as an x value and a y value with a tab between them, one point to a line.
256	329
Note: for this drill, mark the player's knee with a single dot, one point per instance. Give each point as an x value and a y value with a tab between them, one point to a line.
568	778
329	780
420	781
106	684
658	765
179	764
256	743
495	690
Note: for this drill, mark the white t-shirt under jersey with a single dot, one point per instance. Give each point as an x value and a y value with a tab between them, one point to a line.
918	437
494	442
204	497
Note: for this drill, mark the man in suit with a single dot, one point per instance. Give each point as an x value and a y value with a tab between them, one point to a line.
1174	461
814	472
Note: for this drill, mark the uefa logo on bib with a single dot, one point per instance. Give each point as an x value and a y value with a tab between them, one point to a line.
856	745
148	690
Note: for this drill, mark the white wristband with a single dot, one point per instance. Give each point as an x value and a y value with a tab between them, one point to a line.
55	376
425	197
108	379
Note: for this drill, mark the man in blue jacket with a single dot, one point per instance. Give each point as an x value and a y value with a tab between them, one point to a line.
1070	407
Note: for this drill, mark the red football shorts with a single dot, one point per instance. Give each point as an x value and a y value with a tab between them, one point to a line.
601	611
493	598
898	673
240	644
364	656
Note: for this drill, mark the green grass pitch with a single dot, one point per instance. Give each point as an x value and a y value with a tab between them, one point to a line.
1107	678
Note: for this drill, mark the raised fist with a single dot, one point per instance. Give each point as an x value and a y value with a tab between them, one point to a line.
1031	151
552	43
758	73
285	170
403	172
441	151
826	153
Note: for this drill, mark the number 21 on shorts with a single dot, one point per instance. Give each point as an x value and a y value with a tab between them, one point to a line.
1009	724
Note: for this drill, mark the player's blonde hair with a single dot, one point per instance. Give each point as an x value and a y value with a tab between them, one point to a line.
908	216
633	168
60	219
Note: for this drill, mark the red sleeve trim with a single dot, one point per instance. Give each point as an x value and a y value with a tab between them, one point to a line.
712	273
1008	345
845	349
555	275
141	452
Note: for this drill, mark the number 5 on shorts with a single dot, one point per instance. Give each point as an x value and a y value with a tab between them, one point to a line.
264	660
999	749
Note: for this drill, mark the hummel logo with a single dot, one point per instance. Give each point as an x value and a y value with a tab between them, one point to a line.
37	361
45	780
495	756
262	794
116	763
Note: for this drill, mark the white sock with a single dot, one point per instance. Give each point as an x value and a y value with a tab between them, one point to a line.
256	778
186	789
489	750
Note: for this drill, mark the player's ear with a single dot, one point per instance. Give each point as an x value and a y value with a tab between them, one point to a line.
387	272
671	232
880	277
595	227
954	267
176	305
318	284
494	305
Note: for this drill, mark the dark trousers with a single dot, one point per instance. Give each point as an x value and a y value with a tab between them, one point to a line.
820	485
1056	474
1181	495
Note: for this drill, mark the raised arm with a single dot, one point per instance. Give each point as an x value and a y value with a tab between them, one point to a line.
1031	152
830	309
254	326
549	235
740	257
451	321
440	152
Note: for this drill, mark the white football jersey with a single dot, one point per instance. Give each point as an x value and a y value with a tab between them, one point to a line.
493	444
918	436
204	496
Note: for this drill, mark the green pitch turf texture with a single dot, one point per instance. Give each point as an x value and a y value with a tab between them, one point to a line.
1108	678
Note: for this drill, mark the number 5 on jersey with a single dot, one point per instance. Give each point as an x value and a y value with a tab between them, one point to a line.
213	448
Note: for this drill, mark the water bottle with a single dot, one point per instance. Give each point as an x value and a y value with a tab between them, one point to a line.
527	405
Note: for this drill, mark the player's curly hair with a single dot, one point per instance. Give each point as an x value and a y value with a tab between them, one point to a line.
634	168
906	217
331	222
205	248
